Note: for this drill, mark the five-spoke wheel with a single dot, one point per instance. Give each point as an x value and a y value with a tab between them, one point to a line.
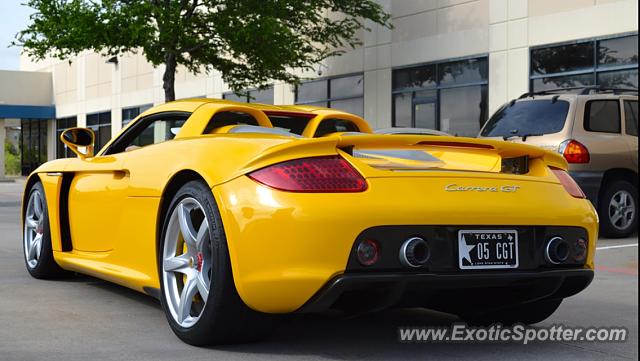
187	261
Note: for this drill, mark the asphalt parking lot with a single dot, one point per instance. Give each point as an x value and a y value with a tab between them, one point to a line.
83	318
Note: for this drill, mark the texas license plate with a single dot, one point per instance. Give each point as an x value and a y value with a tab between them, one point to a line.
487	249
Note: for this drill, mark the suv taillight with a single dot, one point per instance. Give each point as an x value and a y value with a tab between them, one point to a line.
574	151
568	183
330	174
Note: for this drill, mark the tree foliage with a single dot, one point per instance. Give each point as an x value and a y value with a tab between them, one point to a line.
250	42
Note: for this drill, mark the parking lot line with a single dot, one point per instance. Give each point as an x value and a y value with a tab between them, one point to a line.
618	246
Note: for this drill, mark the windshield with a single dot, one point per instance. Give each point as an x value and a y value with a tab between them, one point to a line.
525	118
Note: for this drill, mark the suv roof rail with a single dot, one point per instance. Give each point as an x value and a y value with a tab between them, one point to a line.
584	90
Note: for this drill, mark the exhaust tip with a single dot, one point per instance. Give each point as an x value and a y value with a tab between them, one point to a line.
557	250
414	252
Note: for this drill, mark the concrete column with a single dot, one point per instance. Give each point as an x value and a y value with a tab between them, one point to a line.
51	139
3	135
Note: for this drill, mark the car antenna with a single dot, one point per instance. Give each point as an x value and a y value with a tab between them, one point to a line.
554	99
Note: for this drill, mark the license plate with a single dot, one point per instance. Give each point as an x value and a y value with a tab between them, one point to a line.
487	249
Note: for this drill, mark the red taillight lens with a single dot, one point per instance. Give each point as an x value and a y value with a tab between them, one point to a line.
318	174
574	151
568	183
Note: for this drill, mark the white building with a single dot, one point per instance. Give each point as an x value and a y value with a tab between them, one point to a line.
447	64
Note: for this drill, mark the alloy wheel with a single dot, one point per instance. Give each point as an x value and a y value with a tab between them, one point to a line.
622	209
33	228
187	262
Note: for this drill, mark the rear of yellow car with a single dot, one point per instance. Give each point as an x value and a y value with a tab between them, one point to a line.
457	225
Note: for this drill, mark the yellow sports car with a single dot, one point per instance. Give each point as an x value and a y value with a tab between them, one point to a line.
232	213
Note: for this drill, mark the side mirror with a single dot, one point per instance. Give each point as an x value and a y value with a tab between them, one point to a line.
75	138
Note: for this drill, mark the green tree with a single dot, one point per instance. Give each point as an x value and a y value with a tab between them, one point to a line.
251	42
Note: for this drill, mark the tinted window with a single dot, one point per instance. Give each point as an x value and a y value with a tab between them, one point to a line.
562	82
329	126
527	118
100	123
150	130
351	86
310	91
602	116
61	124
294	125
563	58
264	96
223	119
353	106
463	111
631	117
618	51
420	77
462	72
402	110
619	79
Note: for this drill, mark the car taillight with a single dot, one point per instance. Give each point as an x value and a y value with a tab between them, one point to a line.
574	151
318	174
568	183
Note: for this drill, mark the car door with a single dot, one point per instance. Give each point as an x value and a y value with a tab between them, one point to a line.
96	195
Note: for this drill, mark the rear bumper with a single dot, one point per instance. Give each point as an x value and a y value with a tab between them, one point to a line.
589	182
284	247
446	292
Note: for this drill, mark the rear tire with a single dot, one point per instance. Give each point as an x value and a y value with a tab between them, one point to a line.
36	237
527	313
216	315
618	209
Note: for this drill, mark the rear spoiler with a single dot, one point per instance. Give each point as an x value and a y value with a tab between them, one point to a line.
309	147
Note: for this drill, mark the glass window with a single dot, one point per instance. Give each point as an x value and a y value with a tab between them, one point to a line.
463	110
100	123
631	117
527	117
454	101
402	110
312	91
33	144
463	72
418	77
346	87
558	59
263	96
618	51
353	106
62	124
329	126
294	125
150	130
614	65
234	97
619	79
602	116
129	114
563	82
343	93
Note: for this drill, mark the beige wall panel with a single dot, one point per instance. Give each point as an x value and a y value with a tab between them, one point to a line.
498	11
462	17
546	7
517	9
498	37
517	33
414	26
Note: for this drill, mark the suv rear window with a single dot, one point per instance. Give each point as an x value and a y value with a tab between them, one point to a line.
631	117
602	116
529	117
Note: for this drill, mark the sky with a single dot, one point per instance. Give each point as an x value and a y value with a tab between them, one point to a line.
15	17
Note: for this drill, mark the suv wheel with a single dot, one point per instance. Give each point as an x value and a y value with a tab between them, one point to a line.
618	209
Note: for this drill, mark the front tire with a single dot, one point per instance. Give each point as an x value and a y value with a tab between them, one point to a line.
618	209
527	313
36	237
198	294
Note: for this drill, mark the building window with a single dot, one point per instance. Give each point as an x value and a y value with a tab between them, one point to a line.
100	123
610	63
264	96
129	114
344	93
33	144
62	151
447	96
